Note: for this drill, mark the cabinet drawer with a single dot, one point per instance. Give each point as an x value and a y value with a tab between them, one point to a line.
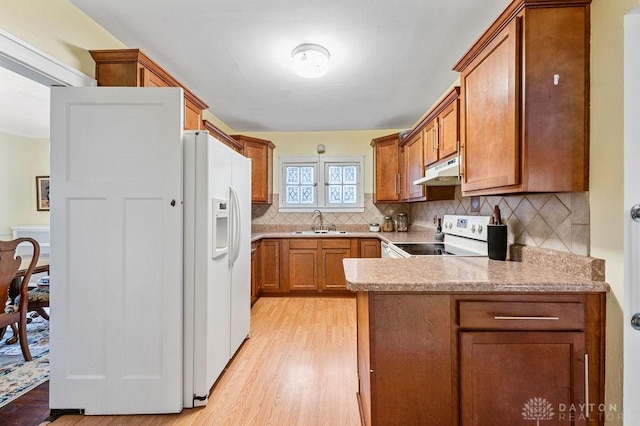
342	243
521	315
303	243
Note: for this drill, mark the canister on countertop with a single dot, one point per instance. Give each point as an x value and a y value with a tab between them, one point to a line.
403	222
388	225
374	227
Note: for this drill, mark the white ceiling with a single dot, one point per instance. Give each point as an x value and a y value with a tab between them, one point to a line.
390	60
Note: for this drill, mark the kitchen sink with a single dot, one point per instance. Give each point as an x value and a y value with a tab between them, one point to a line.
318	232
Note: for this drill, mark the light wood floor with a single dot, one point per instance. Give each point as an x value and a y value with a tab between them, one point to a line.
298	368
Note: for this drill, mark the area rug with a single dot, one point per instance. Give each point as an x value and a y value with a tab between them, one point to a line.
18	376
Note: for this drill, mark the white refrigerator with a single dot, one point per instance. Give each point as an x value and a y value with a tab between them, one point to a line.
150	238
217	254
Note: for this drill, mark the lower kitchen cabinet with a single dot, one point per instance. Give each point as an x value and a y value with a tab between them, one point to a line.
370	248
523	366
270	265
478	359
332	252
310	265
301	259
316	264
256	285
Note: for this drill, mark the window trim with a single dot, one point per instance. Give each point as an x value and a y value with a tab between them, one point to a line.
320	193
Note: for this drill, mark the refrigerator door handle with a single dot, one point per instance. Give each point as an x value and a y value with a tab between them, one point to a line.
235	225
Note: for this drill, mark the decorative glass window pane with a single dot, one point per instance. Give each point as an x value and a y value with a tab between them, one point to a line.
307	194
309	182
335	174
349	194
293	194
293	175
306	175
349	173
335	194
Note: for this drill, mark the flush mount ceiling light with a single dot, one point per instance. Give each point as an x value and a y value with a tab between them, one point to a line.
310	60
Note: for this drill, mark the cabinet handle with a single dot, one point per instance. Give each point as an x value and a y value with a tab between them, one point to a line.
586	385
498	317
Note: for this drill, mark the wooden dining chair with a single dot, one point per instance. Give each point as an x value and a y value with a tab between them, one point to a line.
14	310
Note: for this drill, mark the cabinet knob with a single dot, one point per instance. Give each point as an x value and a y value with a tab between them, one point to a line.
635	321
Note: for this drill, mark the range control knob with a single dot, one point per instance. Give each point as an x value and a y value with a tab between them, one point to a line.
473	228
479	229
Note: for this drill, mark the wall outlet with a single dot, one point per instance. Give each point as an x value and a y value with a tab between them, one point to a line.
475	204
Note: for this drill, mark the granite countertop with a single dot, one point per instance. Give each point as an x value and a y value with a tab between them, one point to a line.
424	235
461	274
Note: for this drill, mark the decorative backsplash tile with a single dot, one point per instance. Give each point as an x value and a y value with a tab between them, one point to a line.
266	217
557	221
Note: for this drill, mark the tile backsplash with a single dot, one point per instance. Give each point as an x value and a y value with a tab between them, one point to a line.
267	218
558	221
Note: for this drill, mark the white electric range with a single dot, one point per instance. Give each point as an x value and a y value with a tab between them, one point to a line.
463	236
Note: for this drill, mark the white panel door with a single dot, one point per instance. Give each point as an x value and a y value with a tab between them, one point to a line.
631	227
116	259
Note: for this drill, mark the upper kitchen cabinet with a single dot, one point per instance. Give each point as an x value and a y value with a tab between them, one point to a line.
132	68
440	132
525	101
412	167
222	136
386	169
261	153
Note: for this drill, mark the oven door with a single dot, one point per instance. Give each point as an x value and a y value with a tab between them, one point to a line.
389	251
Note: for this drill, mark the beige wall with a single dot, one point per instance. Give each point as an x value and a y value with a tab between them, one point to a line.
59	29
21	160
336	143
606	181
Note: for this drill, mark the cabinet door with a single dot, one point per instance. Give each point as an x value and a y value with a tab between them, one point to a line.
387	171
255	272
411	362
508	378
332	268
270	265
490	131
261	164
414	168
370	248
448	134
430	142
303	269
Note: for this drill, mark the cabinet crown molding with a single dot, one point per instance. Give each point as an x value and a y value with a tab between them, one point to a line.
136	55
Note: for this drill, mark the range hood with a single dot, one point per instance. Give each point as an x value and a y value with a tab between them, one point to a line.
446	173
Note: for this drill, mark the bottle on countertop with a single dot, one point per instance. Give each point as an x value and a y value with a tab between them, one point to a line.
388	225
439	227
403	222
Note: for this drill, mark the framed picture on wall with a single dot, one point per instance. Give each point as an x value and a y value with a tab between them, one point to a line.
42	193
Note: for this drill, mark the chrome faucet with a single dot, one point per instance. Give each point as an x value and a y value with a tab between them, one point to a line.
313	217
